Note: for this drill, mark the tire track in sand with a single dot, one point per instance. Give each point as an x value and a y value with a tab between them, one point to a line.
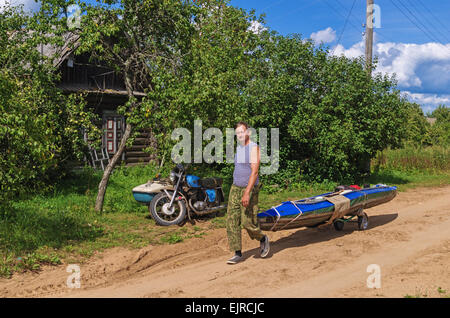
305	263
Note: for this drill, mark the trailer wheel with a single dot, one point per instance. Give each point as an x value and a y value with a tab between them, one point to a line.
338	225
363	222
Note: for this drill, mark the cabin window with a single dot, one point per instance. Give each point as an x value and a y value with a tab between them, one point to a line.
113	125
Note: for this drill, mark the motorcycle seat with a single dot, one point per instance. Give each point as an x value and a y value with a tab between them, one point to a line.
211	183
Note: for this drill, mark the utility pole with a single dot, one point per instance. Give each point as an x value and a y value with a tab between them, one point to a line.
369	35
369	44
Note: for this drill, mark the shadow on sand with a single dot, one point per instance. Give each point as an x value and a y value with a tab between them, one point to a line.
308	236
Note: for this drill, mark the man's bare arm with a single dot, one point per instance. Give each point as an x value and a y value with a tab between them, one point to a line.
254	164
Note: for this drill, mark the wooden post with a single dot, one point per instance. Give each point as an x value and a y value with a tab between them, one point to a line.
369	46
369	35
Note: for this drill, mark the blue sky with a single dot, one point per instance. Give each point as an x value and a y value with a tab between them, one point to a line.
308	16
412	39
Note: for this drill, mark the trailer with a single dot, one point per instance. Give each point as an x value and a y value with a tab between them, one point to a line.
335	208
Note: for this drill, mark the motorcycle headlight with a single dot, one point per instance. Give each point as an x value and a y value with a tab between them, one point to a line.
172	176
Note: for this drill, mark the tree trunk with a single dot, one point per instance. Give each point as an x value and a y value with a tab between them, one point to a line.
109	169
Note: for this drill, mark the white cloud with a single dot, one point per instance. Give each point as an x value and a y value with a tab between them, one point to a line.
430	98
325	36
422	70
429	102
422	67
417	66
355	51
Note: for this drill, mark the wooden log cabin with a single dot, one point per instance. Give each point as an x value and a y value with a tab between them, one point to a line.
105	92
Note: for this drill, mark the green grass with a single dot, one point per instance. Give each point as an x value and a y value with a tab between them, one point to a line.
412	167
407	180
433	158
441	292
62	226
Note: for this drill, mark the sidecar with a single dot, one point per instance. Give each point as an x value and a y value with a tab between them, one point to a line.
145	193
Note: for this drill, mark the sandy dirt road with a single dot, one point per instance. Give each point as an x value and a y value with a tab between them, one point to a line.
408	239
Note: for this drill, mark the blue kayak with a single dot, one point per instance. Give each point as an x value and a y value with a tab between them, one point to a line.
319	209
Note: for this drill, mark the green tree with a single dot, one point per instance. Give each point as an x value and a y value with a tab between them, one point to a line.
417	127
39	126
137	39
332	117
440	130
213	75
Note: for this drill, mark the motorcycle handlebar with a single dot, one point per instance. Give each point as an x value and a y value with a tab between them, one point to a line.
180	166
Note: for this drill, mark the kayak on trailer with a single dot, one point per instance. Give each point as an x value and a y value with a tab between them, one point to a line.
327	208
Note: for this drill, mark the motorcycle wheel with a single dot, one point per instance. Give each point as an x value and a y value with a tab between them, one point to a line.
162	214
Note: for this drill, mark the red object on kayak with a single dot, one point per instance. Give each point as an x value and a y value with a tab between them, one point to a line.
356	187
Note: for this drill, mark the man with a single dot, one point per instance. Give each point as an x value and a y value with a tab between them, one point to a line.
243	198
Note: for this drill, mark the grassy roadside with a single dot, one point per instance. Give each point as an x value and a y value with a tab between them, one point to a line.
63	227
442	293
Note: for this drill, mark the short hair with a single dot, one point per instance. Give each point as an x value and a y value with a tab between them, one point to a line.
241	123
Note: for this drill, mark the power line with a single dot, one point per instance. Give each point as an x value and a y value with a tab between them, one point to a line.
432	34
383	36
378	32
271	5
435	17
345	24
291	11
342	6
337	11
355	27
438	29
412	21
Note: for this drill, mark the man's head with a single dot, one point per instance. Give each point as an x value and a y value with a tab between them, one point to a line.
242	132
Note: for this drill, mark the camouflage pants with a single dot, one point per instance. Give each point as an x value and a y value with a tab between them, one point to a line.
239	217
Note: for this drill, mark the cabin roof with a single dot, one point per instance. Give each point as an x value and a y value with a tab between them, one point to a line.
62	53
59	54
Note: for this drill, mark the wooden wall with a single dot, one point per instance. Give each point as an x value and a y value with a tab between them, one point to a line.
105	91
